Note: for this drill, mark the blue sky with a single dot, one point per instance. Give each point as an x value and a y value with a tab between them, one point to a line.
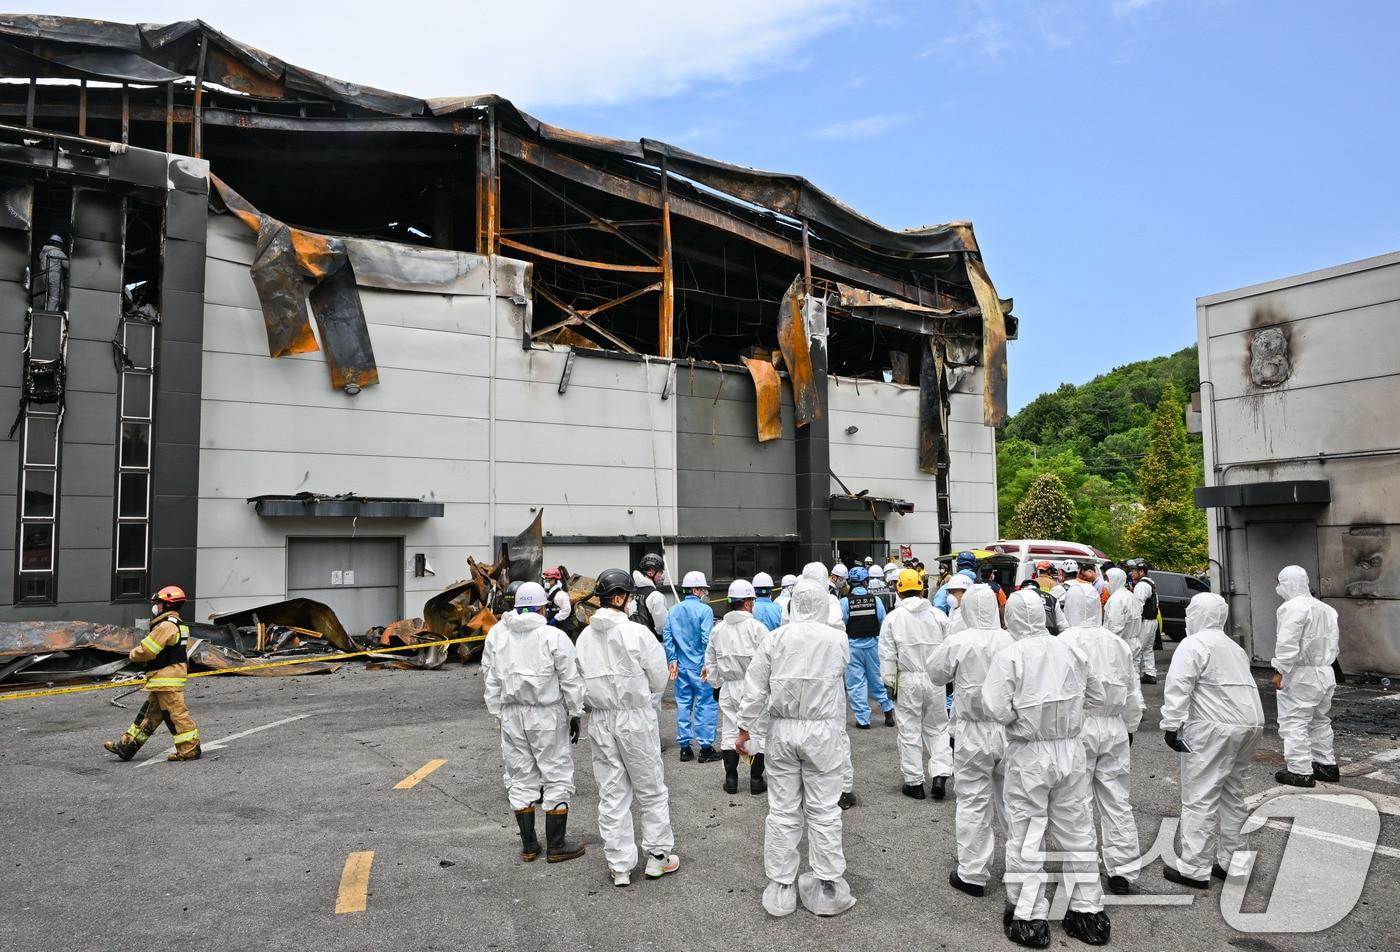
1119	158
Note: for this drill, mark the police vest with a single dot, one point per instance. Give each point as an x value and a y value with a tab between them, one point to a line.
173	653
864	621
1149	607
561	618
641	614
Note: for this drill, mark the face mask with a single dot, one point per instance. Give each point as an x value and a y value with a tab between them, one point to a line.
155	610
630	607
1281	593
955	598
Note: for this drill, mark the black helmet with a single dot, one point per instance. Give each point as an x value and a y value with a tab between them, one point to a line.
651	562
511	589
614	582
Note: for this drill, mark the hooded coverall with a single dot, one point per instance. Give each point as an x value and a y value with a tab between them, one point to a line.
1307	643
1212	702
978	758
733	641
1106	729
910	635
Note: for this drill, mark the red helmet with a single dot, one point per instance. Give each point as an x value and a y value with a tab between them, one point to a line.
170	595
553	573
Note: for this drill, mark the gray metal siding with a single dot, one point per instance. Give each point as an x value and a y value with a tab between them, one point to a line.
728	483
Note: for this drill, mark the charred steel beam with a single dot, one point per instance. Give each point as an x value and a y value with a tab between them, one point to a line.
565	259
603	223
666	309
214	116
196	132
580	319
169	117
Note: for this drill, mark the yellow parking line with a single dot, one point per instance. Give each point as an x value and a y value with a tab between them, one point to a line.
413	779
354	882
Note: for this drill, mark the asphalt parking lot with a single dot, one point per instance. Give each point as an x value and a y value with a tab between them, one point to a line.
248	847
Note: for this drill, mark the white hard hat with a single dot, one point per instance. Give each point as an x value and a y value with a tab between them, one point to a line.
877	571
763	580
1069	565
838	570
789	581
740	589
530	595
959	581
694	580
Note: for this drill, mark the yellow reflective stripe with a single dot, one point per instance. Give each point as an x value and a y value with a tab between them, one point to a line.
165	682
186	736
136	733
184	633
150	644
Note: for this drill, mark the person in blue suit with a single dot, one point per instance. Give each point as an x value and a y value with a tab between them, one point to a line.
686	636
764	608
863	614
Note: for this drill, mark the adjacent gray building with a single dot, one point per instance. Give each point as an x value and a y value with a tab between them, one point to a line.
1301	412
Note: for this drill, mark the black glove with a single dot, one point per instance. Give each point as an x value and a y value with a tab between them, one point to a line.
890	690
1130	740
573	730
716	694
1176	743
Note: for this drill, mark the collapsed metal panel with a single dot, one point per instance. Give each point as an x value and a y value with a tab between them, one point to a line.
344	333
797	355
768	402
993	344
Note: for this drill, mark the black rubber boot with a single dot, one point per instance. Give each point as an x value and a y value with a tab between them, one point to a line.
1149	679
1091	928
1032	933
708	755
972	889
889	718
757	784
687	753
529	843
1119	885
938	787
1295	779
846	801
557	848
1219	872
731	771
1172	876
914	791
1327	773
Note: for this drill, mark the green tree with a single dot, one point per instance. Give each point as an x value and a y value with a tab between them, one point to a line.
1170	532
1045	512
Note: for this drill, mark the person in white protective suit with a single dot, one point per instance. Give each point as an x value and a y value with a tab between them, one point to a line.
785	595
1306	644
908	638
1121	610
733	641
1108	733
623	666
964	658
957	588
1039	688
532	687
1212	716
796	689
1145	592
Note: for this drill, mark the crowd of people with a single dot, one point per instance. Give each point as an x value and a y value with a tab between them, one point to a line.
1034	730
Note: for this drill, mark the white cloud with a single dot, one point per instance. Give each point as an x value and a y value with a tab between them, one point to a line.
862	127
534	52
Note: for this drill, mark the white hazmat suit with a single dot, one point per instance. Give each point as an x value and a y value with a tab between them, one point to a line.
908	638
964	658
796	683
532	685
733	641
1122	610
1039	687
1146	629
1212	702
1307	644
623	667
1106	728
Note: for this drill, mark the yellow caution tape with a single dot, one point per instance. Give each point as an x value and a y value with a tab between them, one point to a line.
138	682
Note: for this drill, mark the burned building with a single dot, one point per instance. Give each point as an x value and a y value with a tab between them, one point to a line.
1298	396
320	339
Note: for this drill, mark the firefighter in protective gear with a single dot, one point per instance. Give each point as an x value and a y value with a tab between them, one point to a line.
532	687
793	689
1212	716
686	636
863	614
1307	644
1107	733
733	641
622	668
964	658
163	654
1039	688
908	638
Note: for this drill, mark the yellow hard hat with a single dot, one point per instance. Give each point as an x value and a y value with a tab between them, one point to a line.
909	581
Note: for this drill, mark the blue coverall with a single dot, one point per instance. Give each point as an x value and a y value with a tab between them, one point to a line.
767	611
940	597
686	636
863	671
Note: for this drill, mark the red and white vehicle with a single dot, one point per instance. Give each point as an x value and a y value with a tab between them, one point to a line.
1030	551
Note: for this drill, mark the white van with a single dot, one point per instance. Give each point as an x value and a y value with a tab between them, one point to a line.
1030	551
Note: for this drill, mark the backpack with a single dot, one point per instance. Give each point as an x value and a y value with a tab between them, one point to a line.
1149	607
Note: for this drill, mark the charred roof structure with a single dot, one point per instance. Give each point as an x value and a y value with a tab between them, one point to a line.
637	246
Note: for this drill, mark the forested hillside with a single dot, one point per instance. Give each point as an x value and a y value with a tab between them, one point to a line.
1101	439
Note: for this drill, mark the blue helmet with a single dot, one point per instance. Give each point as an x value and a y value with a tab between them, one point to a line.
966	560
857	575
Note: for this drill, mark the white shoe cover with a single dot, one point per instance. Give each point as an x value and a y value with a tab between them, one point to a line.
823	898
779	899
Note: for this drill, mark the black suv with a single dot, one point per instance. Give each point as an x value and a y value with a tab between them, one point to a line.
1174	590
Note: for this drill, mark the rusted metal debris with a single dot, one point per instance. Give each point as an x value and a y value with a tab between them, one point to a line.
993	344
768	402
524	554
21	638
293	613
797	356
